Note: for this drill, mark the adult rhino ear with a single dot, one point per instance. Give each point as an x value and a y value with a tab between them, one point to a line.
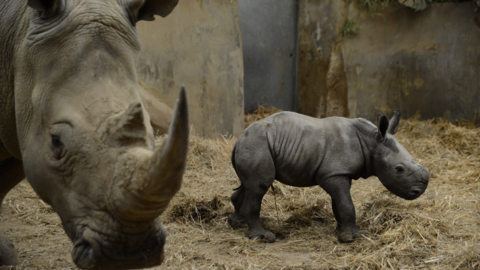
146	9
393	124
45	6
382	124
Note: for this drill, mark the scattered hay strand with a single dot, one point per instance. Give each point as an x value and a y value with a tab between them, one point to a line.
260	113
439	230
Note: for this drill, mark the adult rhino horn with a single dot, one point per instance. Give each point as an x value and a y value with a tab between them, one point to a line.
147	183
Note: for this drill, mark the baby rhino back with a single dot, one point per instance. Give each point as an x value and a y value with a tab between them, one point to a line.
298	150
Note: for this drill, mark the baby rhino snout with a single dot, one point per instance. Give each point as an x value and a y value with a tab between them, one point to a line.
415	193
422	177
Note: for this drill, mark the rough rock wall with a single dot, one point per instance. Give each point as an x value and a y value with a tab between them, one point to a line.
199	45
319	29
336	79
426	62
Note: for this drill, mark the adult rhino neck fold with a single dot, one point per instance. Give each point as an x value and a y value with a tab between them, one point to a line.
145	182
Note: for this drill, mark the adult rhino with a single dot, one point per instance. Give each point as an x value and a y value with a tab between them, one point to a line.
72	122
303	151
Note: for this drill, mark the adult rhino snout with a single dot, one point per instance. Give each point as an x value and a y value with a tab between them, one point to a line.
82	255
421	179
128	234
96	250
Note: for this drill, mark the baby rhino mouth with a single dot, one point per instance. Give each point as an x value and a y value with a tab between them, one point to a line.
420	178
122	251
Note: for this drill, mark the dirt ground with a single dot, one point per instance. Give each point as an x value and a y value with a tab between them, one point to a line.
440	230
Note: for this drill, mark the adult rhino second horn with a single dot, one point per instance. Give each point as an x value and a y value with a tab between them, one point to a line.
148	183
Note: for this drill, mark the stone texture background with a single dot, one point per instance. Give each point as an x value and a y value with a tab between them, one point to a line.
426	62
199	45
319	26
269	40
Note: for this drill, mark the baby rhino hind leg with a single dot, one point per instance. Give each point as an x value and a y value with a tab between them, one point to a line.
250	211
256	170
236	220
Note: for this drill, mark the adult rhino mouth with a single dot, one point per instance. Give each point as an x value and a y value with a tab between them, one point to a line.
121	250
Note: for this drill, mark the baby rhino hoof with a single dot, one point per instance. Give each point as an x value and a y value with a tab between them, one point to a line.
266	235
346	237
235	221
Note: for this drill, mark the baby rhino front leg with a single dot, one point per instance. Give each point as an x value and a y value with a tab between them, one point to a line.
342	205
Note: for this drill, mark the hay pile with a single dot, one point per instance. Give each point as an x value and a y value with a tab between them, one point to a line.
260	113
440	230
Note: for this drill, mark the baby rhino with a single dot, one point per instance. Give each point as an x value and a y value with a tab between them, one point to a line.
302	151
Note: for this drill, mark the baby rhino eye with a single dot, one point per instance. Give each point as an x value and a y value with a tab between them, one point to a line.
399	169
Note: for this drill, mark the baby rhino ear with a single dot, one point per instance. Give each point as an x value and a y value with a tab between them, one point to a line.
382	124
393	124
150	8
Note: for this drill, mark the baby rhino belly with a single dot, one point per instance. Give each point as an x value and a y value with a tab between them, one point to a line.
297	173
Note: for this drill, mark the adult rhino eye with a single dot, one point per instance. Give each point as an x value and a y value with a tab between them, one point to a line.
57	147
399	169
56	141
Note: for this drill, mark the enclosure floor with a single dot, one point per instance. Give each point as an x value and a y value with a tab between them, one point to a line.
440	230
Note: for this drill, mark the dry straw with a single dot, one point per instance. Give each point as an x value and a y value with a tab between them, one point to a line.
440	230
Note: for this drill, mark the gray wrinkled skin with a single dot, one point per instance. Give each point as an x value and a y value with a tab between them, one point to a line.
72	122
302	151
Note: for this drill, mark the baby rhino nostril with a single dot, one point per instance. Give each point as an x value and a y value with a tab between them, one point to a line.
424	180
426	175
415	193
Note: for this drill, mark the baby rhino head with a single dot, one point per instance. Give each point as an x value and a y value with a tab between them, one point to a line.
393	165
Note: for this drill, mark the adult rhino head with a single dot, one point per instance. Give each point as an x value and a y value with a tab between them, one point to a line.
85	139
393	165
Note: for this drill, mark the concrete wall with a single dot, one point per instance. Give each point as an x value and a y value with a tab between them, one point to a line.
426	62
199	45
269	31
319	24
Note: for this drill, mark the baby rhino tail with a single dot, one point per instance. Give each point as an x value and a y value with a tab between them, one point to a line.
233	159
234	167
